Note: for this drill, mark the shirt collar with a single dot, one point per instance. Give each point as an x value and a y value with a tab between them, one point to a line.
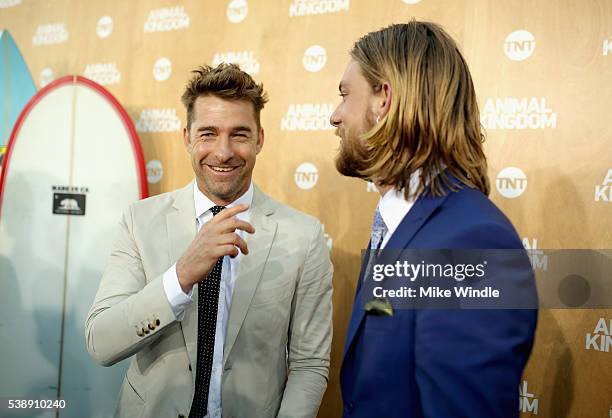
203	203
394	206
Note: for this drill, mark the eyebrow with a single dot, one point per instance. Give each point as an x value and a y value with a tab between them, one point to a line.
207	128
215	129
241	128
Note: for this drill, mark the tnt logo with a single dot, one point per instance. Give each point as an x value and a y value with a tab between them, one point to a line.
600	339
539	260
162	69
104	27
511	182
527	401
315	58
45	77
237	10
603	191
155	171
607	49
519	45
306	176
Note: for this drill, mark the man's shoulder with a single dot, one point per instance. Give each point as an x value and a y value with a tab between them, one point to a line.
471	205
470	219
157	205
286	214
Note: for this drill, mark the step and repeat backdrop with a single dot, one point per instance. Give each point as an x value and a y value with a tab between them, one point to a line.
543	74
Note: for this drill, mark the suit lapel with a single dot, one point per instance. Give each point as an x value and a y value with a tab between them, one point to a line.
416	217
251	266
422	210
358	312
182	228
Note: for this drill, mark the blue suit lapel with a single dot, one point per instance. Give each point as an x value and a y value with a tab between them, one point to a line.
358	312
422	210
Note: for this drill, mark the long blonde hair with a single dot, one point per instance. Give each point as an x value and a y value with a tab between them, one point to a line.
433	124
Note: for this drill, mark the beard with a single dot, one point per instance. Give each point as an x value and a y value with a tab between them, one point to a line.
350	160
353	154
226	190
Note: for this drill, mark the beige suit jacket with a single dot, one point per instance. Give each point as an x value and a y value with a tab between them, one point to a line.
276	355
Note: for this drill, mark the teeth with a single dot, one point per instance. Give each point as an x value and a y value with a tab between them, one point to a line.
222	169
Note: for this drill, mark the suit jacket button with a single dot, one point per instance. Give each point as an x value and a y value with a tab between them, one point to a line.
190	367
181	416
151	327
139	332
146	331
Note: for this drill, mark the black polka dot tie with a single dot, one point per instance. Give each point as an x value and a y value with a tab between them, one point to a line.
208	301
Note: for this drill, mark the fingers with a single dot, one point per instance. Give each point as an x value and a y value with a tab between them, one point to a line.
230	250
231	225
231	212
226	221
234	240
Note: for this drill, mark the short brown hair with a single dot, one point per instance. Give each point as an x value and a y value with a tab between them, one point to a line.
226	81
433	123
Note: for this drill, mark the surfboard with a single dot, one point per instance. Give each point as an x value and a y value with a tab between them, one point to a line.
73	163
16	87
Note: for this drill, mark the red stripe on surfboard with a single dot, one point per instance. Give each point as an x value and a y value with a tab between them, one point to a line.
127	123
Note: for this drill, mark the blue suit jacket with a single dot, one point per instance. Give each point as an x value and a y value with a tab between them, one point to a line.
439	363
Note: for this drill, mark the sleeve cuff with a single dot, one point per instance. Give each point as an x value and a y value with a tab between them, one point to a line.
177	299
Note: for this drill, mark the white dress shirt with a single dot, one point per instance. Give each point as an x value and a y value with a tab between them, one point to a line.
179	300
393	207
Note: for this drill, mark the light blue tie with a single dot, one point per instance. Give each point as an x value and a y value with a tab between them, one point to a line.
379	230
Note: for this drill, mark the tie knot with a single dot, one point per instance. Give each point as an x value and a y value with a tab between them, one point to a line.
216	209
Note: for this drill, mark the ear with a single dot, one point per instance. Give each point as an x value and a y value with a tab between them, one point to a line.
382	100
186	139
260	141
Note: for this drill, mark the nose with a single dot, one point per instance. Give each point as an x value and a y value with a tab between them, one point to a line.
223	149
334	119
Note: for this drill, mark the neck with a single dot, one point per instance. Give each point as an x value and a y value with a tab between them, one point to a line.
383	189
221	200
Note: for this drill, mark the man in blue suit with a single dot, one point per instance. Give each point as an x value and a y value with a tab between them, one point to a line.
409	122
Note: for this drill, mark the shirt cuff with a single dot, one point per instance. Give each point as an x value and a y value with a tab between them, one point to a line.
177	299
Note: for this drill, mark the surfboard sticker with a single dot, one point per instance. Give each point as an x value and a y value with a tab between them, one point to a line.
73	163
16	87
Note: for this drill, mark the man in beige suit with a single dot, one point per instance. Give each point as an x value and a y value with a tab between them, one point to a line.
221	294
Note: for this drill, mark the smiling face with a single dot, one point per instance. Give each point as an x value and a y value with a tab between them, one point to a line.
223	142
